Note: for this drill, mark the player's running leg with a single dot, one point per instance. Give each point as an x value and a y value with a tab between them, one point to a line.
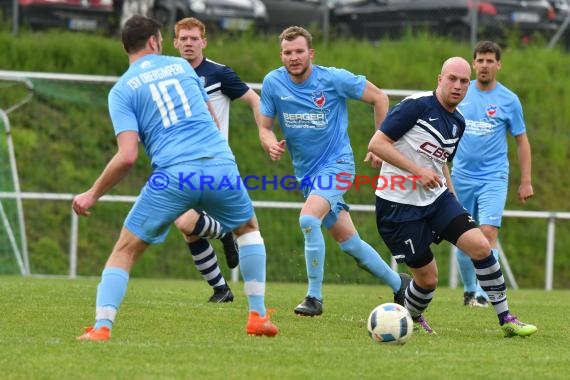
203	253
233	208
113	285
344	232
491	278
312	305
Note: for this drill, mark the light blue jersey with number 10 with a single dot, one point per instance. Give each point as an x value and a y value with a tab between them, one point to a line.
161	98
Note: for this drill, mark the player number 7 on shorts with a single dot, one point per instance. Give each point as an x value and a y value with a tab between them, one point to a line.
411	244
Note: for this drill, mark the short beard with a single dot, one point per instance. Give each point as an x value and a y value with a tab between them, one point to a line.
303	72
484	82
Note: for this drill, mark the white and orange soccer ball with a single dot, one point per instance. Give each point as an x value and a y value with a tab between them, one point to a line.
390	323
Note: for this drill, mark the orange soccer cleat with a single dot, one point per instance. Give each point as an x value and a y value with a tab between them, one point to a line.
257	325
101	334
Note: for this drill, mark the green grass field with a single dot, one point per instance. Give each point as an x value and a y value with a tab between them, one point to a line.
167	330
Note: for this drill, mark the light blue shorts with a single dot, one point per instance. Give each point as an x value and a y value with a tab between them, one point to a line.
331	183
483	199
209	184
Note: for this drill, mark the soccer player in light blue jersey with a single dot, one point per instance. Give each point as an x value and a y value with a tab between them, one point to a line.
416	140
480	172
160	102
222	85
310	103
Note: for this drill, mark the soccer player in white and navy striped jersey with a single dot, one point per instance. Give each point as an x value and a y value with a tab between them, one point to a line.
416	140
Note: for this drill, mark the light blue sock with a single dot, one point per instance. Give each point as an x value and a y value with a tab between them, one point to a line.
467	271
252	259
110	294
314	254
480	292
367	258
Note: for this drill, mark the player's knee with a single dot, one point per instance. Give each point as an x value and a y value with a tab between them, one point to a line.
187	222
309	223
475	244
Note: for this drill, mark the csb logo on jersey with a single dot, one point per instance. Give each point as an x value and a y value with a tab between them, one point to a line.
491	110
319	98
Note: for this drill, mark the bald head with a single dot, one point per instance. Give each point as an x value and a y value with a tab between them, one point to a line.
457	65
453	82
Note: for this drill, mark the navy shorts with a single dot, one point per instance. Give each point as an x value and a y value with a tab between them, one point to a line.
409	230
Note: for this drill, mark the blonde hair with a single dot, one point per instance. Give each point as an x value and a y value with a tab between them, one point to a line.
293	32
189	23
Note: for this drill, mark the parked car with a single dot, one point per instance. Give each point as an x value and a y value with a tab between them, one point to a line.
562	9
284	13
374	19
225	15
80	15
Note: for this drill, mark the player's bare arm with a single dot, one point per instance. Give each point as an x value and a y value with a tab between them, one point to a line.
269	141
252	100
525	191
380	102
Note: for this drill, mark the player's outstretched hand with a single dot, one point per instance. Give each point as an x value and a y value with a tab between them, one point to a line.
429	179
82	203
374	160
276	150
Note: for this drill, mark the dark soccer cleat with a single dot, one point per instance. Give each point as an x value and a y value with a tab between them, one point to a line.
468	298
231	250
222	294
310	307
480	301
400	295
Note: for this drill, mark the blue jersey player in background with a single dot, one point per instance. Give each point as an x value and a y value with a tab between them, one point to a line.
310	103
416	140
480	172
222	85
159	100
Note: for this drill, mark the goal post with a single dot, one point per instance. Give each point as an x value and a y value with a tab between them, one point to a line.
13	241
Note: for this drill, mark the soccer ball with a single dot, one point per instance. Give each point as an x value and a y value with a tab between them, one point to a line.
390	323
